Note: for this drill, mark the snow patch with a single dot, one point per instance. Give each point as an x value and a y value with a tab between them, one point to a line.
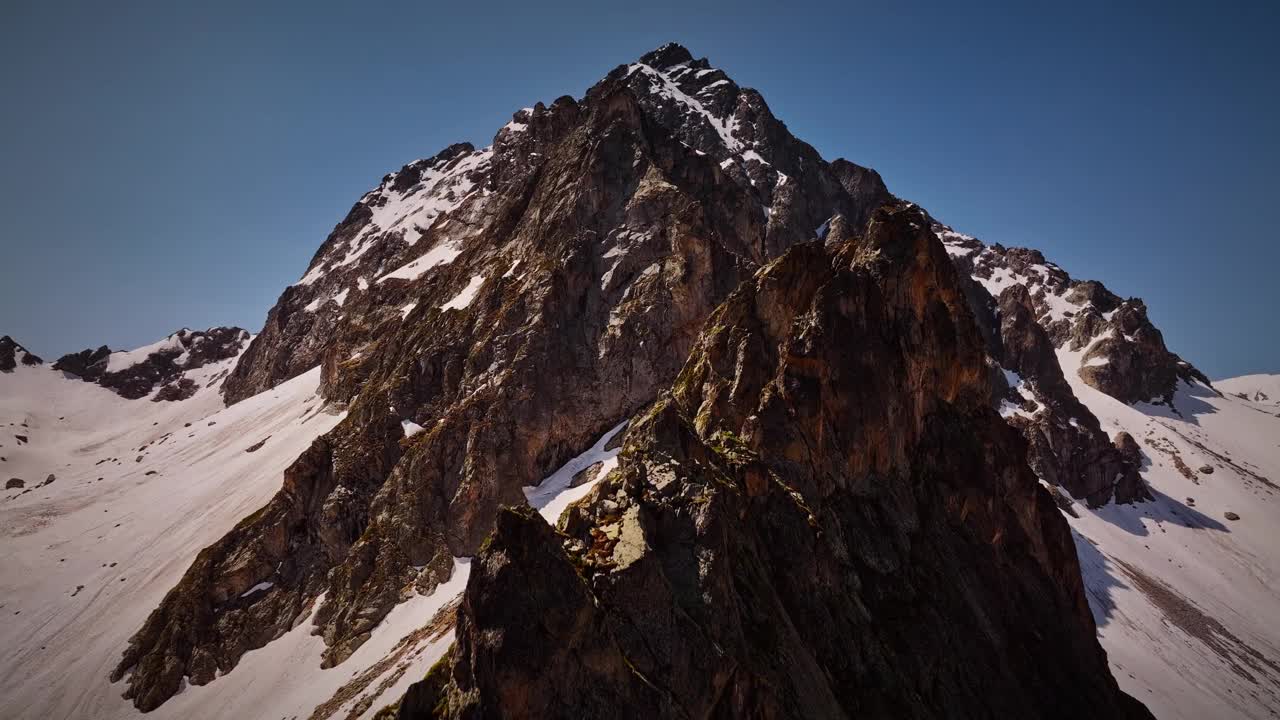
442	254
551	496
464	298
256	588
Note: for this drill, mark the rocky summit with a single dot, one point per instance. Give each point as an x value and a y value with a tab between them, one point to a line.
645	409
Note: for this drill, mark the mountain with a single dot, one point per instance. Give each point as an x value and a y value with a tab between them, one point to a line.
170	364
806	451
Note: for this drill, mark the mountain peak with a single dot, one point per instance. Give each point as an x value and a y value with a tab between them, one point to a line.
11	351
667	56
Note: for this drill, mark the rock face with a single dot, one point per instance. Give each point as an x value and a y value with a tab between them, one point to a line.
386	223
453	209
11	353
1067	446
823	518
1123	354
1043	325
572	266
135	374
1130	361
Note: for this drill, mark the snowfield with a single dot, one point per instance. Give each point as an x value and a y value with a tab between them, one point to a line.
140	487
1264	390
1187	600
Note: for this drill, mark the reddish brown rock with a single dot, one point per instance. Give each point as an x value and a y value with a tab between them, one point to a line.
899	559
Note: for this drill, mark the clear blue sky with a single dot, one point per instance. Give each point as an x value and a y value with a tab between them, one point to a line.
164	167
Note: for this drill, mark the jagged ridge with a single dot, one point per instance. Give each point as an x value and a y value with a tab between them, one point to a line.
135	374
824	518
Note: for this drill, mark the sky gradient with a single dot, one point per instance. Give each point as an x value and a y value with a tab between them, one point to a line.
166	167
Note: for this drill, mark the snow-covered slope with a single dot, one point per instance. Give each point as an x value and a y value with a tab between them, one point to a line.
1185	597
1262	389
137	489
1182	586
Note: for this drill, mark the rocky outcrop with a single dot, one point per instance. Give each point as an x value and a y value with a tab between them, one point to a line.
1053	328
823	518
1129	360
1122	353
1067	446
11	353
136	374
182	389
562	276
88	364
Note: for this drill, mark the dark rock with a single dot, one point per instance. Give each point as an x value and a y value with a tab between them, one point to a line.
11	353
1230	515
1132	363
623	235
1093	293
258	445
1067	446
88	364
14	484
1126	356
1206	469
749	560
165	367
174	391
586	475
1063	501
